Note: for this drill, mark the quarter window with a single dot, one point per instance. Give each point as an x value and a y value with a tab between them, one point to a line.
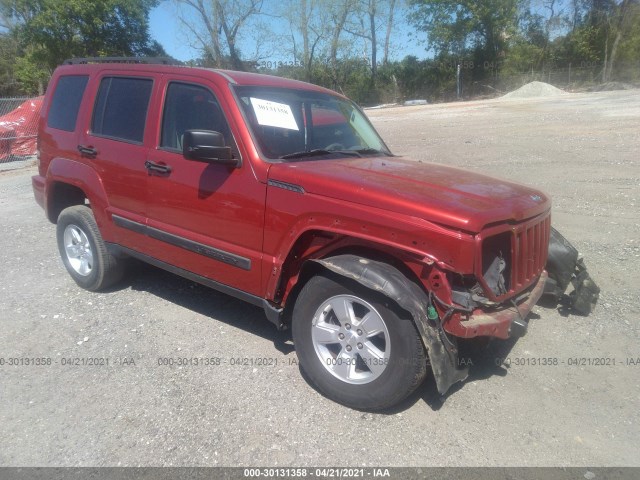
121	108
65	103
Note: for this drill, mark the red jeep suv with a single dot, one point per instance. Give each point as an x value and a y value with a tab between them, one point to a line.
282	194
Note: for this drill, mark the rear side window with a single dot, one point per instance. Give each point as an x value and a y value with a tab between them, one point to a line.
121	108
65	103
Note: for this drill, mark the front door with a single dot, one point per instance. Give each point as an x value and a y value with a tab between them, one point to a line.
201	217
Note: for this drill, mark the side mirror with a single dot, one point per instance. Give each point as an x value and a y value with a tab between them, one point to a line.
207	146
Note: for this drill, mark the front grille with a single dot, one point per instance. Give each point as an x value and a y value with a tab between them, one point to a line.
524	249
530	248
497	247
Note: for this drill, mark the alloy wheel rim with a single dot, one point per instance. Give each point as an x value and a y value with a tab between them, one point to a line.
351	339
78	250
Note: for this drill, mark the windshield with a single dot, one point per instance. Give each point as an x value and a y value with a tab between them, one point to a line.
294	124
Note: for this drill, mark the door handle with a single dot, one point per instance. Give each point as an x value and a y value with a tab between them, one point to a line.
87	151
158	168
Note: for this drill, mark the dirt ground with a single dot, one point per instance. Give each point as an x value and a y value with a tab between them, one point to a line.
583	149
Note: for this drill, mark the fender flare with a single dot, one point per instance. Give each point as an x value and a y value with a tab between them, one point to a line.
84	177
383	278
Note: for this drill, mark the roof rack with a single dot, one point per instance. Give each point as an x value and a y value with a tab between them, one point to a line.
138	60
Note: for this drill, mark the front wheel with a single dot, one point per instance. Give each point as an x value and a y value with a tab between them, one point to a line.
353	346
83	251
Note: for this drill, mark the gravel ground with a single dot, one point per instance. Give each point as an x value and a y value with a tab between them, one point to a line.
583	149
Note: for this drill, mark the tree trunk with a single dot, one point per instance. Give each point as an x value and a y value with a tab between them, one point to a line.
211	25
612	56
335	39
374	41
576	15
392	6
614	49
304	29
552	13
606	57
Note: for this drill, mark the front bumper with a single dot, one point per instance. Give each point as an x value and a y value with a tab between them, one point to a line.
506	322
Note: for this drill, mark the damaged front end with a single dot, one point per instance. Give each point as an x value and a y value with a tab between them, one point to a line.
566	267
484	318
495	305
510	279
519	266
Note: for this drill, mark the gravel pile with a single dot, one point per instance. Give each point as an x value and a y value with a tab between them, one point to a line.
535	89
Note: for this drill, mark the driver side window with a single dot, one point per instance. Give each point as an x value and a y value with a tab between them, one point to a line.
191	107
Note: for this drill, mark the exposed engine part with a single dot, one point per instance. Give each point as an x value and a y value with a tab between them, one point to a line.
462	297
494	276
565	267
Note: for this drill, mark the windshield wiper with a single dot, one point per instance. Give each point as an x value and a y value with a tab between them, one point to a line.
318	151
369	151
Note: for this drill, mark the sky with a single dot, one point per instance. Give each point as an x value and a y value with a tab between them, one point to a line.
168	31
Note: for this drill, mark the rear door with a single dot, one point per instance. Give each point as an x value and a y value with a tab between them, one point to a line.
204	218
114	143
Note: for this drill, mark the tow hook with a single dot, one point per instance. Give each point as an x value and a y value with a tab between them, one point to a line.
518	328
519	325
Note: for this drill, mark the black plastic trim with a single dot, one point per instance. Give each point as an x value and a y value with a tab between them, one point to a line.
196	247
272	312
135	60
129	224
286	186
221	287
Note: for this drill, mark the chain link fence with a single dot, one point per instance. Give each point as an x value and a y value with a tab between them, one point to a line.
18	128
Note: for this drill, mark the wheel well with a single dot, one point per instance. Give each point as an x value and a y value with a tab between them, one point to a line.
371	253
63	195
309	268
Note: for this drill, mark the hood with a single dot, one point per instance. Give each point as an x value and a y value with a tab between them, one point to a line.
444	195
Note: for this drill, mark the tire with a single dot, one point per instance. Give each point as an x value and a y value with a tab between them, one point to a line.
83	251
353	347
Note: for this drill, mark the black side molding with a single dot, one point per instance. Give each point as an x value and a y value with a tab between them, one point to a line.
272	312
175	240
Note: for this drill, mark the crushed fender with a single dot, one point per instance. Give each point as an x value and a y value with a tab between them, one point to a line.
390	282
565	266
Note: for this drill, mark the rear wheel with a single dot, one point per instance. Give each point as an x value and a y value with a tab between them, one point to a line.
353	346
83	251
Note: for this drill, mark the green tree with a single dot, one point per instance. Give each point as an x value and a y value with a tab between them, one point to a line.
457	27
50	31
604	33
8	53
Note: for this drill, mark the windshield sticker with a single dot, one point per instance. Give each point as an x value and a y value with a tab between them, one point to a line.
274	114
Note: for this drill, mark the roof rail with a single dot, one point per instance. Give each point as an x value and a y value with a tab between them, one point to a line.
139	60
